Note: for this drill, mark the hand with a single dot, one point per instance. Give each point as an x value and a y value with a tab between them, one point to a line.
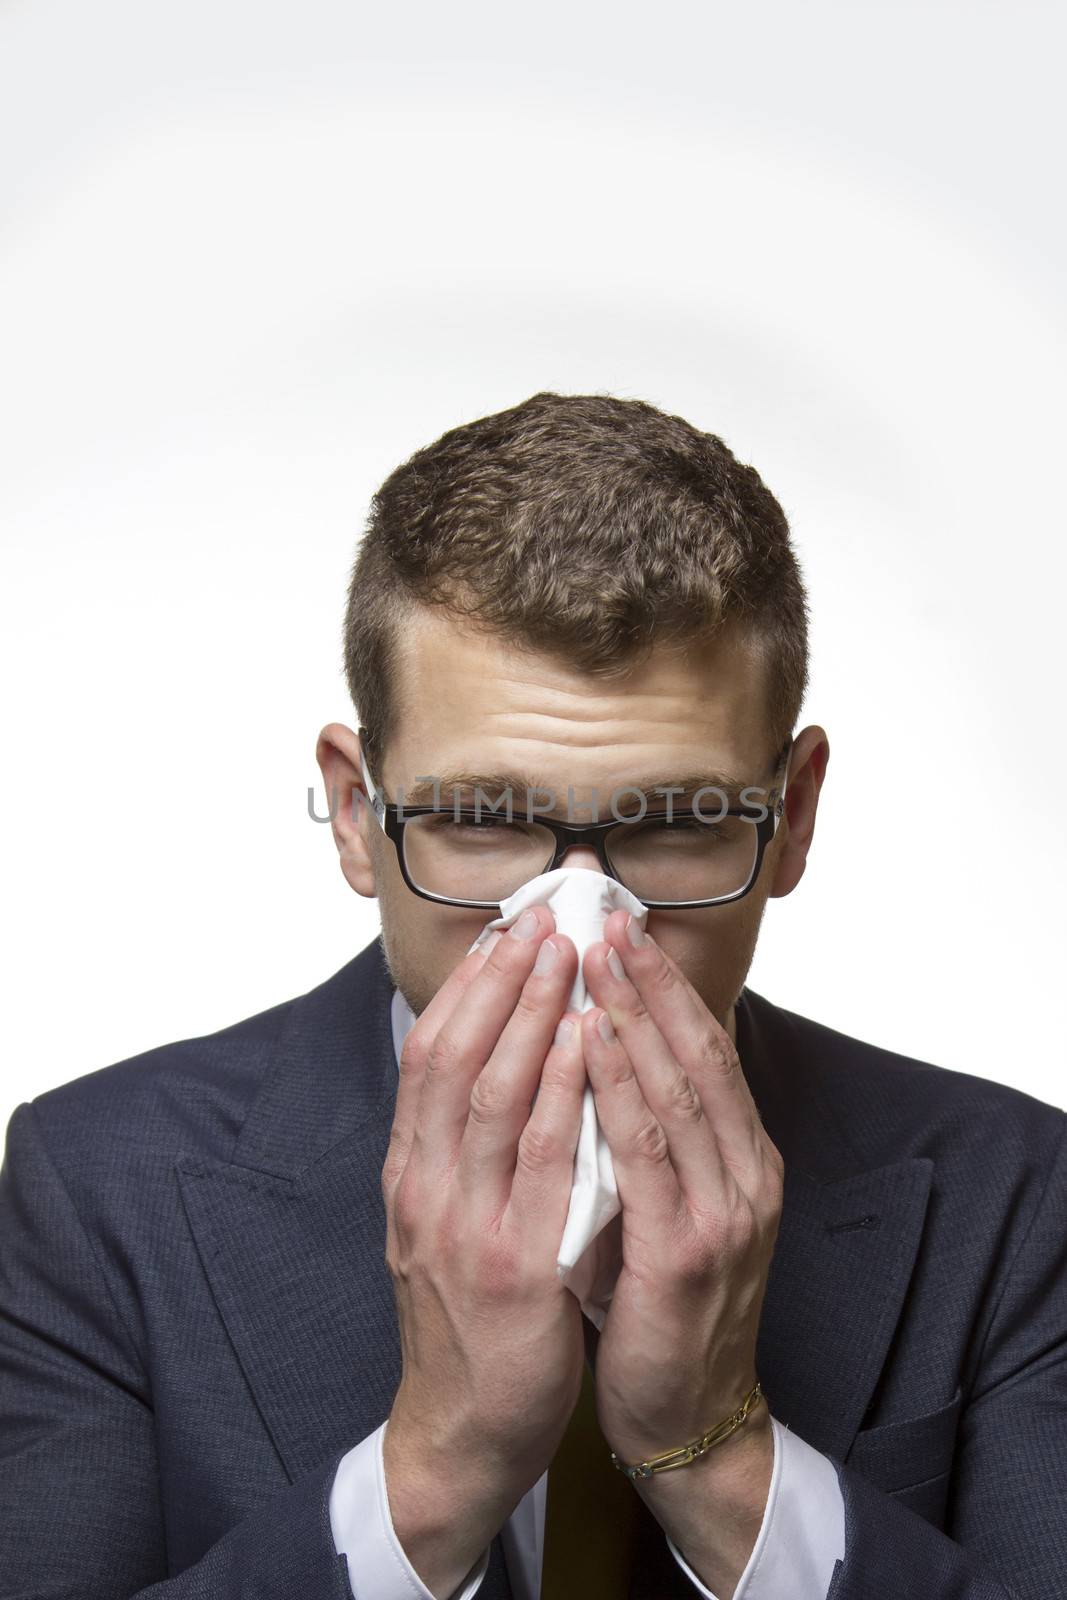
700	1184
477	1188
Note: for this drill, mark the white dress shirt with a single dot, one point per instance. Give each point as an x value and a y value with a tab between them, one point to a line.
801	1537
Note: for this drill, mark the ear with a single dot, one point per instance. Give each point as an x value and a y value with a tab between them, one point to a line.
807	768
337	753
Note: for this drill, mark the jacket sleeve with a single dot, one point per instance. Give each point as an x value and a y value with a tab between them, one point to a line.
1005	1534
80	1510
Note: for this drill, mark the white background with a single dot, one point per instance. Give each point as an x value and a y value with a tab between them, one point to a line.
253	255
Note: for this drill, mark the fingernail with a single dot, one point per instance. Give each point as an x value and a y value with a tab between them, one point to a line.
635	933
563	1031
526	926
546	958
615	966
604	1028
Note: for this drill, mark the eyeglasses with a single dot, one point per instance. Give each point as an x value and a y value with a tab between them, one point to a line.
467	857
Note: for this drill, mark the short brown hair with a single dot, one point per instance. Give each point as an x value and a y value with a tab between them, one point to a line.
584	526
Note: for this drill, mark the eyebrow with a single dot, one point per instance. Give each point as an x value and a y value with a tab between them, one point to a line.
522	785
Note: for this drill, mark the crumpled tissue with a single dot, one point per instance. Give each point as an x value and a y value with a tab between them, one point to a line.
590	1252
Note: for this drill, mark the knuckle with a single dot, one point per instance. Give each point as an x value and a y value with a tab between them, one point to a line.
740	1226
556	1079
683	1100
769	1219
743	1234
770	1200
538	1150
722	1240
774	1183
650	1141
726	1231
413	1053
688	1249
720	1058
693	1264
489	1100
638	1011
444	1056
528	1009
617	1070
768	1223
662	978
776	1159
405	1206
392	1172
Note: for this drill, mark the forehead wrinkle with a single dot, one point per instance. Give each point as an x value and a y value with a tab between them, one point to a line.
625	747
631	706
597	733
664	725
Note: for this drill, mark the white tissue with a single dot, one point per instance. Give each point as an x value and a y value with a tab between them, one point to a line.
590	1253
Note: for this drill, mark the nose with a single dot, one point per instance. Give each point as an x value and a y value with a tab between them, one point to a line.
582	855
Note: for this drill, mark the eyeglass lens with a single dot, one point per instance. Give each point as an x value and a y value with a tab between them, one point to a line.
489	859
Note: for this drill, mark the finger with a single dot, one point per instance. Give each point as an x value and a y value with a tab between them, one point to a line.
651	1197
544	1158
500	1099
467	1038
414	1053
668	1091
701	1046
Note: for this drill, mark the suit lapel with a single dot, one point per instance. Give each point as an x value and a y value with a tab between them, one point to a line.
847	1242
291	1233
291	1230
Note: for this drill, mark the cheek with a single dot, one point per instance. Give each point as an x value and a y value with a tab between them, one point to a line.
424	943
713	948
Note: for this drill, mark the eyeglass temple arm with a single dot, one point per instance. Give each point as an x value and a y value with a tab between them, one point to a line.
780	773
377	804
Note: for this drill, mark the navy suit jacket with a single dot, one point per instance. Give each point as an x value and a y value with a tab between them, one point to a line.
196	1319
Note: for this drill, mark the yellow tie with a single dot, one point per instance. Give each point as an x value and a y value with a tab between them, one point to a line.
591	1513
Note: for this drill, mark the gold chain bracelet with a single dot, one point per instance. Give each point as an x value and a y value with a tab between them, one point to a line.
691	1452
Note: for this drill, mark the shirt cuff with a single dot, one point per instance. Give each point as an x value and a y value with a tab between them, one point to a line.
363	1532
802	1535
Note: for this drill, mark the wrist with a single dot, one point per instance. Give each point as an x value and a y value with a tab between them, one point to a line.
444	1513
713	1509
745	1418
732	1464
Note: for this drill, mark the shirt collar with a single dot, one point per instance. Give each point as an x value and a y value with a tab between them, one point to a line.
403	1018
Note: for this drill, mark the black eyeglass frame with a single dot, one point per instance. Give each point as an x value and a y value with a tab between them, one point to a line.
392	820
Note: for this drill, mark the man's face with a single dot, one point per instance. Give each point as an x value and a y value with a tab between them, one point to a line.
472	703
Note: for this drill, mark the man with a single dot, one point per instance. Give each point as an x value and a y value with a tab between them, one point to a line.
277	1319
